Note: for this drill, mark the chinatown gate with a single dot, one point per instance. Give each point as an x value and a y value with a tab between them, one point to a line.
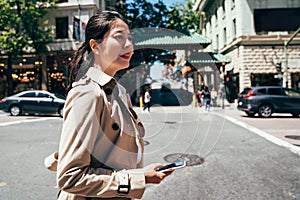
183	53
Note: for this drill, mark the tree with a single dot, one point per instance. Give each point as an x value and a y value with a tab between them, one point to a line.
141	13
22	29
181	17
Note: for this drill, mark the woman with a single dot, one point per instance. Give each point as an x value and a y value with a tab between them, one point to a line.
101	147
147	100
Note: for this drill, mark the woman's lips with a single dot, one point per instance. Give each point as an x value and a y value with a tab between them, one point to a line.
126	56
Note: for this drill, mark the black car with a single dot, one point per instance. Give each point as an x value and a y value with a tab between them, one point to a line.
33	101
266	100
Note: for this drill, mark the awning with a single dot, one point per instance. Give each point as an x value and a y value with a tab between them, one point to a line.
208	57
164	38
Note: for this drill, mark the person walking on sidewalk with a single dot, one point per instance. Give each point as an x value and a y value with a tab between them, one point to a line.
101	147
207	98
147	100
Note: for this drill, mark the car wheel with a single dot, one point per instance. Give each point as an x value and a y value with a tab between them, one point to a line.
265	110
250	114
61	111
15	110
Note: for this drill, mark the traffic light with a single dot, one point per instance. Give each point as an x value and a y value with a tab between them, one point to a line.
278	67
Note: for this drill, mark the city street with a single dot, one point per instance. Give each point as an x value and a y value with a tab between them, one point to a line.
227	155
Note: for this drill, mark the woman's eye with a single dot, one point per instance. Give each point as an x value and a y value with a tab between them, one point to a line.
120	37
130	38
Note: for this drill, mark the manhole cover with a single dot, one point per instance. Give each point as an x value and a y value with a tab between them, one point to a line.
190	159
294	137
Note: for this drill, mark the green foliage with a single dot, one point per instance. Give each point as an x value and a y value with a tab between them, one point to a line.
22	25
183	18
141	13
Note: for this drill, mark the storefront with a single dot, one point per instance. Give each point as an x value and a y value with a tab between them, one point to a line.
27	73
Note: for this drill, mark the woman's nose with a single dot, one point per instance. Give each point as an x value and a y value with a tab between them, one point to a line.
128	43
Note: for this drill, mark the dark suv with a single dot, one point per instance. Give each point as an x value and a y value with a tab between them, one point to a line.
266	100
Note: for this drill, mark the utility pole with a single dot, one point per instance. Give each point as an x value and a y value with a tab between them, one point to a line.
286	43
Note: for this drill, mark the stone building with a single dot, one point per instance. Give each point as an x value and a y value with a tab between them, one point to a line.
260	37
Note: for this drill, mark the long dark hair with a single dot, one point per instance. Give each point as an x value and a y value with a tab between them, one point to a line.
97	26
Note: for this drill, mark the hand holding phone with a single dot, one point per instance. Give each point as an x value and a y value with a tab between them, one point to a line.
172	166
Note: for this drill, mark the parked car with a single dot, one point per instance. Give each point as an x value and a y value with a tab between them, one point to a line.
266	100
33	101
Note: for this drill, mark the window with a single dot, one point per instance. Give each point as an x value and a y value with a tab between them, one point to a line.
76	28
289	92
277	19
223	6
41	95
217	42
224	36
274	91
234	28
61	27
29	94
262	91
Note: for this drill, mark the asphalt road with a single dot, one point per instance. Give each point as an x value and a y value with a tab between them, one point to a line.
225	160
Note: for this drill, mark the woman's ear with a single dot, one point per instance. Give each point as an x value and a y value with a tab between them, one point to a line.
94	46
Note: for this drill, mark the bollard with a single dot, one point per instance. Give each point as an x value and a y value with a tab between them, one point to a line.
141	102
194	101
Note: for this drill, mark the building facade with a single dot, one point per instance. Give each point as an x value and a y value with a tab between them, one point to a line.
50	72
260	37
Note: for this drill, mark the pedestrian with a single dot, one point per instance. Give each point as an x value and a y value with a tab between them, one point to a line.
147	100
101	147
202	96
207	99
199	97
214	96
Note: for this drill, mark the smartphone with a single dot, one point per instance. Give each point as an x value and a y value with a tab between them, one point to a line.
172	166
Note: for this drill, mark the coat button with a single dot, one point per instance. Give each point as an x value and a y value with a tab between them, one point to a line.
108	91
115	126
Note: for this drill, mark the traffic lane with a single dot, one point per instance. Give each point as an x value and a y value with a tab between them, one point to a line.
24	147
6	118
282	126
241	165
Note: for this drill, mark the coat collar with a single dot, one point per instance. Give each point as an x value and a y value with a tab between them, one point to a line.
99	76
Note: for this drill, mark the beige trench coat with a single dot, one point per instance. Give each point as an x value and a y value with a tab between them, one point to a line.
101	144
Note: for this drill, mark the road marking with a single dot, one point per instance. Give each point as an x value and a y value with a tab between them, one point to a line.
23	121
2	184
264	134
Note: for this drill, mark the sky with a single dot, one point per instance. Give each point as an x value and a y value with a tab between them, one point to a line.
171	2
168	3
